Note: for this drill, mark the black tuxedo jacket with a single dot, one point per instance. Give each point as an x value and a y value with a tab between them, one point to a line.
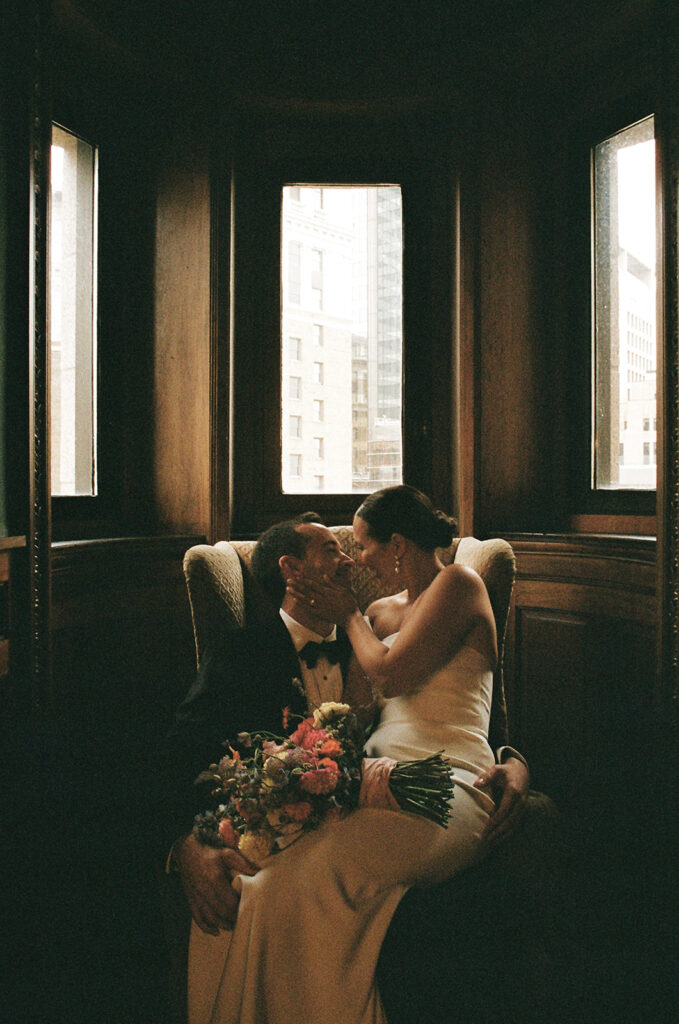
244	682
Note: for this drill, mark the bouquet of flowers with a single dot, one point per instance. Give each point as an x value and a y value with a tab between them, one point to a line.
280	787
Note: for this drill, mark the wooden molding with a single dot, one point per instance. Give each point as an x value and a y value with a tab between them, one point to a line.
40	503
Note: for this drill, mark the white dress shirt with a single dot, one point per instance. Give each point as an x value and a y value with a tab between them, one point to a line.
324	682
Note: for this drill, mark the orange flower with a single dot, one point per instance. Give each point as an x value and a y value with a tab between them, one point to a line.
331	748
300	732
299	811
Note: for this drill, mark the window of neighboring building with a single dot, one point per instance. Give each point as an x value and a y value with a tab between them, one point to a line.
624	304
295	426
73	314
349	267
295	349
295	464
317	279
294	289
295	385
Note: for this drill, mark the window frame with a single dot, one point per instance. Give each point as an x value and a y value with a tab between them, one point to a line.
78	499
257	499
587	499
123	502
75	515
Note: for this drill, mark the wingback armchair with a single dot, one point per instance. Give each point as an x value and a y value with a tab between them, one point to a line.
495	909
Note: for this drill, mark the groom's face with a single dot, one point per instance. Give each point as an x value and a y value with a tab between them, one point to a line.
323	555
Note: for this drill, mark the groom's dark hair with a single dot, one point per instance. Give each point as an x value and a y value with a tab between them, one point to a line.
280	539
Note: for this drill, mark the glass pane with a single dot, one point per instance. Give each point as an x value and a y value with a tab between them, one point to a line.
341	283
73	301
624	309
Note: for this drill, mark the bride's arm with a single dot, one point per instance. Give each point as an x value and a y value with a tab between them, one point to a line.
445	614
359	693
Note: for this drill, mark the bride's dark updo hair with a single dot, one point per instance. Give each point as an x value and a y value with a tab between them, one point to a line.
403	509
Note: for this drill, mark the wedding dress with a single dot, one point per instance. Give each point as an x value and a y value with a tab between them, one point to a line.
311	922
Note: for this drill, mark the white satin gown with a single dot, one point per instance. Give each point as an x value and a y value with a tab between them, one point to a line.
312	920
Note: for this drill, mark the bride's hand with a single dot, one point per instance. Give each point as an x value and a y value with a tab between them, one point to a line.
326	598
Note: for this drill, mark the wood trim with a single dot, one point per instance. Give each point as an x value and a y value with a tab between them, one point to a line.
644	526
86	573
39	536
611	576
221	262
7	543
467	405
668	392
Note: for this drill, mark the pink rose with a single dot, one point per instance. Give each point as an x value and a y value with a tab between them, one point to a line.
314	738
321	781
228	833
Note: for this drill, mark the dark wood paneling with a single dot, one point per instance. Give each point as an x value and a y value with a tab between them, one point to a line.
88	940
181	418
581	661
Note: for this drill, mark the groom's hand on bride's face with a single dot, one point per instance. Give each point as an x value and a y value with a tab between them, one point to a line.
206	875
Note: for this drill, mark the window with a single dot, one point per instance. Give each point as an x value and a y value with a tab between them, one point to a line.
350	262
73	314
295	272
316	279
295	349
295	426
295	385
295	464
624	283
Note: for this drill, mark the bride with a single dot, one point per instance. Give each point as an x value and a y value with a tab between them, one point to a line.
312	920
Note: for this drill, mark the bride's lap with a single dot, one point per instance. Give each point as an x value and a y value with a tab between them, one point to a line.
341	877
372	850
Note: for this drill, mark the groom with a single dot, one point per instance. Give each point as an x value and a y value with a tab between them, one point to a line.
244	681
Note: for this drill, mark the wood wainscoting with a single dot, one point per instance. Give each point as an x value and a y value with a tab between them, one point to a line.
581	686
581	658
88	942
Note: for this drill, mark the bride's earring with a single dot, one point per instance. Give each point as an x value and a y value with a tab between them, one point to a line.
397	565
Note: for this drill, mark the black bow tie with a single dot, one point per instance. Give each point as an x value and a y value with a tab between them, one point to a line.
312	651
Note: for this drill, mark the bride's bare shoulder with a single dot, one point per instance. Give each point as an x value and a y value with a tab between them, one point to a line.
386	613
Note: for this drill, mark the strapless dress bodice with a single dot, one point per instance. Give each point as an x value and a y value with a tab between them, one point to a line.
449	712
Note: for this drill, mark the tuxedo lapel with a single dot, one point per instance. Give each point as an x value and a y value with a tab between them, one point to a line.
283	667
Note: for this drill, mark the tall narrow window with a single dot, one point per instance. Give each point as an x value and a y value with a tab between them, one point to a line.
73	314
623	185
341	283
